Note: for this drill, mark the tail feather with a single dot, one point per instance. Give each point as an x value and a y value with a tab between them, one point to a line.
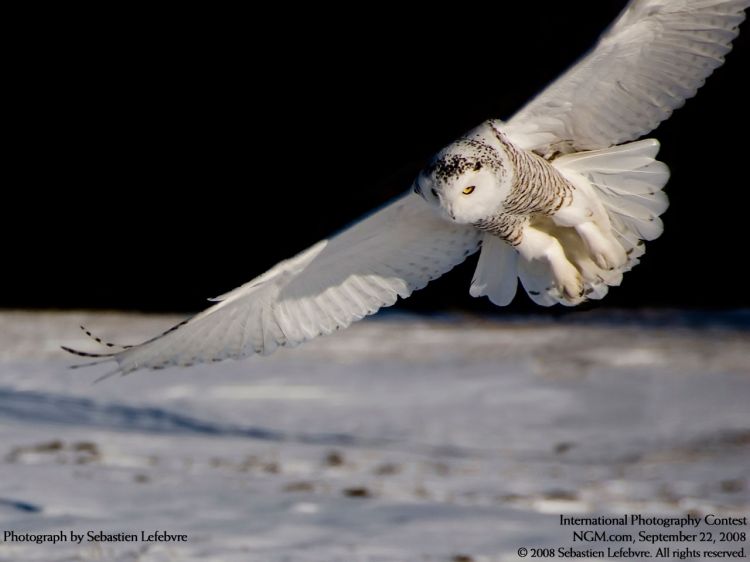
628	181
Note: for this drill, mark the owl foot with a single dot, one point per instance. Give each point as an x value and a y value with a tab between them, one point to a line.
568	280
564	282
606	252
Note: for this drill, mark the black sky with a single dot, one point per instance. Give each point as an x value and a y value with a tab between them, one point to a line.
159	159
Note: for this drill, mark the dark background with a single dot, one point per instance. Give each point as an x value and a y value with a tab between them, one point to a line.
159	159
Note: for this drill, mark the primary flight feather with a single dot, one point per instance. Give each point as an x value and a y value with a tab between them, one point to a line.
552	197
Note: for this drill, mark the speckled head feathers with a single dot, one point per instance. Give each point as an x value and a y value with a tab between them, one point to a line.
467	179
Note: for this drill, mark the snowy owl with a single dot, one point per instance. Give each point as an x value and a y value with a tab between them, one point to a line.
561	197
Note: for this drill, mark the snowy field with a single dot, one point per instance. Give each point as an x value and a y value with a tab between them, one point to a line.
401	439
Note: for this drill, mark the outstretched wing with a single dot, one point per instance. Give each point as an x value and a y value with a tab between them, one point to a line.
653	57
389	254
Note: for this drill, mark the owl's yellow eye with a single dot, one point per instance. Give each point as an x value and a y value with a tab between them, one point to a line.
469	190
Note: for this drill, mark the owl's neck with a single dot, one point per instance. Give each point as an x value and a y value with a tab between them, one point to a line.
537	187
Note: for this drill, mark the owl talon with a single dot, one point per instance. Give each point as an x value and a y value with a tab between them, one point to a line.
568	278
601	261
607	253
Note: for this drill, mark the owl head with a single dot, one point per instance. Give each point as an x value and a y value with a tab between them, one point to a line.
468	180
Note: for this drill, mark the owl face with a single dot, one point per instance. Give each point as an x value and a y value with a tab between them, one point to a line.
466	181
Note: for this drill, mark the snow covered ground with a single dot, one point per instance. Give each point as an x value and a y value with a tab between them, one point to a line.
401	439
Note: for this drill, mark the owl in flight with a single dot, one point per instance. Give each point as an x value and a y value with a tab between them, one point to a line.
561	196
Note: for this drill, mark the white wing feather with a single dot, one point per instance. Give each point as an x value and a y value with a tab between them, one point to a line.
655	56
391	253
496	276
